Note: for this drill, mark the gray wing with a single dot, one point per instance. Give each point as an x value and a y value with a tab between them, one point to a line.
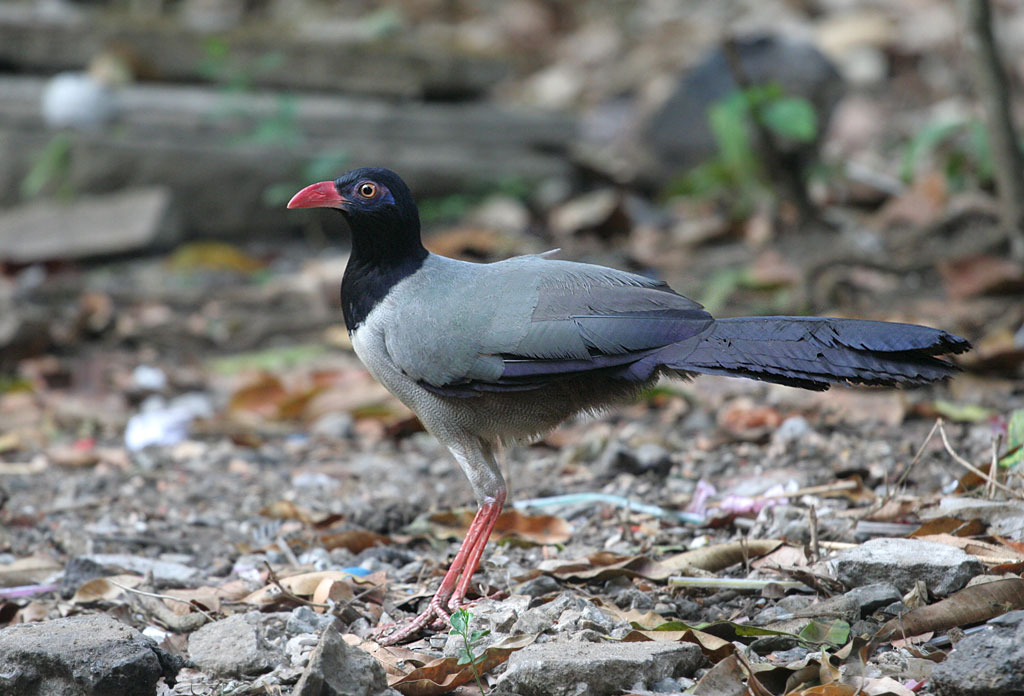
522	323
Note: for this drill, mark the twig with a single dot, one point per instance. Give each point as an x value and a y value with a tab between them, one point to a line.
812	520
973	469
993	90
287	551
272	576
993	470
156	595
902	479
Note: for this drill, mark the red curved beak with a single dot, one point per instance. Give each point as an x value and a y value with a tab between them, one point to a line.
321	195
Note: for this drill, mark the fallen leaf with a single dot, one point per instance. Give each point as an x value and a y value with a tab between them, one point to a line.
981	275
355	540
213	256
334	591
27	571
262	397
511	524
442	675
207	598
949	525
971	605
104	589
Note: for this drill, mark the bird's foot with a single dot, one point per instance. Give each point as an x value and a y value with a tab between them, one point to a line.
435	617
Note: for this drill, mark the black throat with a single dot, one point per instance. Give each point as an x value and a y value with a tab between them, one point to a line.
383	254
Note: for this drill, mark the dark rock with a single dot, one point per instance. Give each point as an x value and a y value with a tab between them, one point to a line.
243	644
903	562
539	586
678	134
871	598
338	669
648	458
988	662
81	656
595	669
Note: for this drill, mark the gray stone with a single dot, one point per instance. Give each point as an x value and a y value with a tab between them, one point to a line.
338	669
163	572
540	586
595	669
95	225
91	655
678	134
987	662
305	620
871	598
243	644
903	562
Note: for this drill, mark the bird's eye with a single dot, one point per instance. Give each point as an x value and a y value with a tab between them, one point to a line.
367	189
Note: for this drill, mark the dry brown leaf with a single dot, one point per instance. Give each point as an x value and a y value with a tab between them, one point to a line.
262	397
208	598
445	674
782	557
720	556
969	606
919	206
949	525
511	524
104	589
27	571
355	540
396	660
713	647
286	510
746	419
303	585
981	275
334	591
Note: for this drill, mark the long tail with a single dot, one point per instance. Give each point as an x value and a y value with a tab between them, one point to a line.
812	352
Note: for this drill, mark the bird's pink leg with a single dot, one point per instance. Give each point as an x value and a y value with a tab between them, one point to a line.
488	517
455	583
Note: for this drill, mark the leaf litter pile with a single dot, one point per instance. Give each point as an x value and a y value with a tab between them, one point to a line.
790	537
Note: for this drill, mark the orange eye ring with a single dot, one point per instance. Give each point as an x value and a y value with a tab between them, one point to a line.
367	189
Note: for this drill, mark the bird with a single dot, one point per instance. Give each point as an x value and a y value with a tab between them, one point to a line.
492	353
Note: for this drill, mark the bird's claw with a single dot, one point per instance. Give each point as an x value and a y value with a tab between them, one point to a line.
435	617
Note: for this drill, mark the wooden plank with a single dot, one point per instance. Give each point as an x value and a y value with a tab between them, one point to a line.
48	43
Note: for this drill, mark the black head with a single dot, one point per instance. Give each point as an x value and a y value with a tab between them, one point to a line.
385	225
378	206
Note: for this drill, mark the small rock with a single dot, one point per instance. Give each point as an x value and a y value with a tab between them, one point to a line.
339	669
164	572
793	429
600	213
873	597
595	669
678	134
988	662
243	644
334	425
540	586
81	656
903	562
647	458
305	620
